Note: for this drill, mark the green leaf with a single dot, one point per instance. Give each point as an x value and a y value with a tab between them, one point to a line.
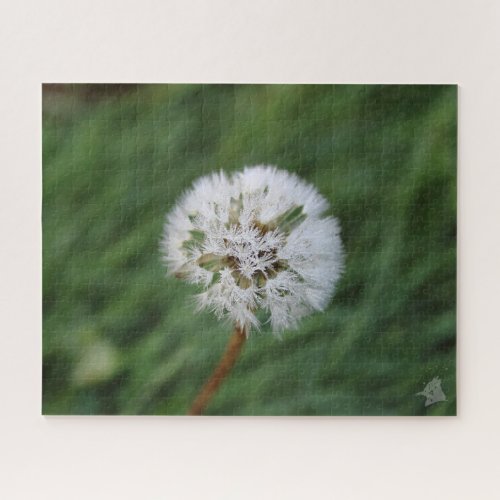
212	262
289	220
197	238
241	281
197	235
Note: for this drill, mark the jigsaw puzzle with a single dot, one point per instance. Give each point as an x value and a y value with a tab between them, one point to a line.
221	249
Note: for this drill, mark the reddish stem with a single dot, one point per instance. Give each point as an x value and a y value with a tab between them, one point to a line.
227	361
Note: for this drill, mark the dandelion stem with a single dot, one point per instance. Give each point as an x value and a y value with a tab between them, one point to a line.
223	368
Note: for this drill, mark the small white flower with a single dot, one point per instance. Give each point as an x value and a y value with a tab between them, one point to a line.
254	241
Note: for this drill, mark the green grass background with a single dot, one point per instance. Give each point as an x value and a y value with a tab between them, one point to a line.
121	338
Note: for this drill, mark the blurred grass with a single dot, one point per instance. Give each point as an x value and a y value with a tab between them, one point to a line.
120	338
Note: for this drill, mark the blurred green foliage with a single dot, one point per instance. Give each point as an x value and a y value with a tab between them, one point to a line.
121	338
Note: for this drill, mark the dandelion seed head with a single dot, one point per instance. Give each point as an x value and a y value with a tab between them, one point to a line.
255	241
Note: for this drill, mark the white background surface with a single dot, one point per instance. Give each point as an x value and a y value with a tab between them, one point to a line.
429	41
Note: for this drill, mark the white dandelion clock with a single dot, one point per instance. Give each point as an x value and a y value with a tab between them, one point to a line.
255	241
258	245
